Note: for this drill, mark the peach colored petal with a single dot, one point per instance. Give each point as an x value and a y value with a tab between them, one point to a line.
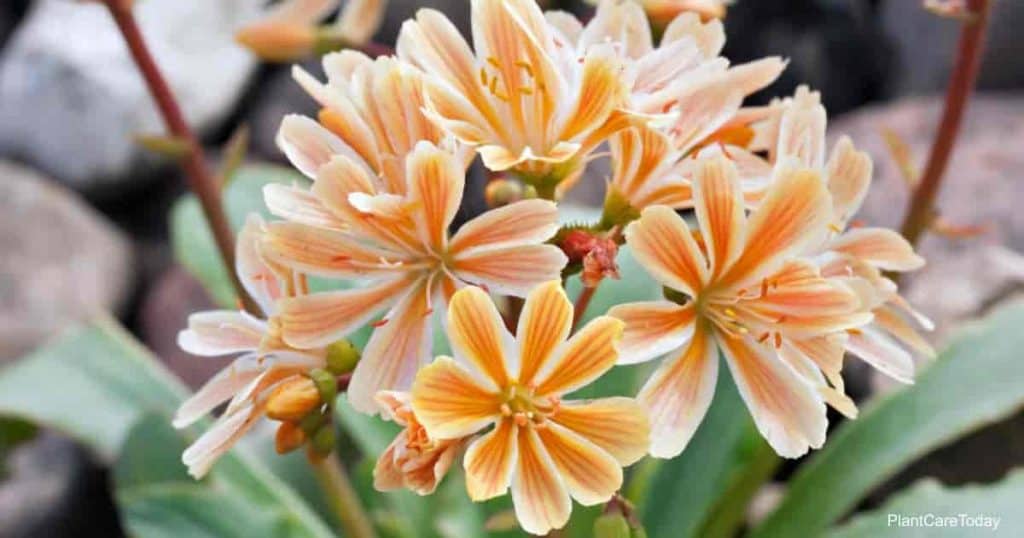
221	332
395	351
450	402
300	205
435	186
618	425
519	223
511	270
308	145
359	20
544	324
591	475
386	474
806	296
622	23
719	207
600	91
200	456
260	282
802	130
787	410
478	335
393	405
319	319
220	388
539	497
653	328
881	247
328	253
894	324
793	214
878	350
709	36
591	352
662	243
849	176
489	461
678	394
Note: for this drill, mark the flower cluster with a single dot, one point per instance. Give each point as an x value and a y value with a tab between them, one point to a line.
772	272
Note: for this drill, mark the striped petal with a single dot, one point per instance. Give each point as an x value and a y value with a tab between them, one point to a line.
544	324
308	145
220	388
319	319
297	204
662	243
221	332
849	176
787	410
478	335
260	282
435	185
653	328
878	350
323	252
590	474
618	425
511	270
520	223
450	402
539	497
678	394
802	131
720	211
489	461
881	247
591	352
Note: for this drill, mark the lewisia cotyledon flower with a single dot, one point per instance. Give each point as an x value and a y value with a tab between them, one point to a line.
400	244
544	448
738	286
413	460
265	364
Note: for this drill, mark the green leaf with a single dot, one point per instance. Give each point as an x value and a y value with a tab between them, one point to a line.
94	383
677	497
191	240
976	381
999	500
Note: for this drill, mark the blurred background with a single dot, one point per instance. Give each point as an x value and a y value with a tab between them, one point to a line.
84	209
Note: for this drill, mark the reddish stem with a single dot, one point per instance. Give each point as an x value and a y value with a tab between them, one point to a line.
201	181
582	302
920	211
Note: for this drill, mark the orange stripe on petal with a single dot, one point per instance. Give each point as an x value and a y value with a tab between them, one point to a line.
586	356
719	207
849	176
317	320
663	244
544	324
591	475
520	223
489	461
435	186
617	425
678	394
539	497
512	270
449	402
881	247
478	335
652	328
323	252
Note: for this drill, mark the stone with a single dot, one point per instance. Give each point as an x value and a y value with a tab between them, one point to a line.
61	260
71	98
925	46
11	13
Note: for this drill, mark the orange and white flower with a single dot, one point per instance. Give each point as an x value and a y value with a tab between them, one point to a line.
523	97
290	29
858	253
546	449
413	460
661	12
266	362
400	243
739	287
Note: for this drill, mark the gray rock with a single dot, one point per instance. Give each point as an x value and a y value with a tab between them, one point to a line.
61	260
925	46
71	98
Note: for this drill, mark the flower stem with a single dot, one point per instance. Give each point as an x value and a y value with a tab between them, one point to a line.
582	302
921	209
342	498
201	181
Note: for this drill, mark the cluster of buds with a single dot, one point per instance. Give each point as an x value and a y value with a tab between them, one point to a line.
592	254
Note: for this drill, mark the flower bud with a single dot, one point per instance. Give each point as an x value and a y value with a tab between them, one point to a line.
596	253
342	357
501	192
611	526
278	40
326	384
293	399
289	436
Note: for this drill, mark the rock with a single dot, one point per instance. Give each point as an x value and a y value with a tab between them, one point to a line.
71	98
925	46
11	13
164	312
61	260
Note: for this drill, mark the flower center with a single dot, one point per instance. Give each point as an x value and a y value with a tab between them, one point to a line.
522	404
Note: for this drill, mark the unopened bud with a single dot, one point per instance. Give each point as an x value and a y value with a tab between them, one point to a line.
293	399
595	252
289	436
326	384
342	357
502	191
611	526
278	40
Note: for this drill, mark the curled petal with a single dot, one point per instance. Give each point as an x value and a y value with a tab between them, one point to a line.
679	393
221	332
489	461
802	130
260	282
709	36
544	324
591	475
652	328
200	456
849	176
586	356
220	388
618	425
539	496
450	402
308	145
880	351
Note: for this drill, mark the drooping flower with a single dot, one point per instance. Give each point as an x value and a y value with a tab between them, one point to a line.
290	29
401	245
266	362
522	96
738	286
545	448
413	460
858	253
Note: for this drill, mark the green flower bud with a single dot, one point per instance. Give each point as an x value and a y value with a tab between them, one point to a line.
327	384
342	357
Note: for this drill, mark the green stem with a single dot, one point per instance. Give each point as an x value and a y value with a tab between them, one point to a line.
343	499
